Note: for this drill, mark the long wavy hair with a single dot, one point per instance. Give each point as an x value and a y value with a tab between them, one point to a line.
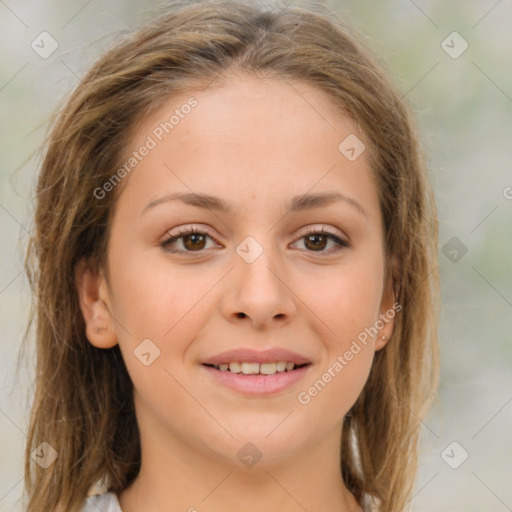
83	403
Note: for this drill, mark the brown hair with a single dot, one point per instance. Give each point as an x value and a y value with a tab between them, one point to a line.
83	403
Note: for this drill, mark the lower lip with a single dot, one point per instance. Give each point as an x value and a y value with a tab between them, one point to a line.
258	384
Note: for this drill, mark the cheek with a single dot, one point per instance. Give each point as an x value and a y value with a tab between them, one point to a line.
349	300
348	304
335	388
153	296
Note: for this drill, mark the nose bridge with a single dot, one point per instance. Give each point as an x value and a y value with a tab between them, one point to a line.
258	267
259	291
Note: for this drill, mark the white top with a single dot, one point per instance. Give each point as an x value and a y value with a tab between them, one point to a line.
106	502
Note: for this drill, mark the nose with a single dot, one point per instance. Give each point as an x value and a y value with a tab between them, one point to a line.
258	292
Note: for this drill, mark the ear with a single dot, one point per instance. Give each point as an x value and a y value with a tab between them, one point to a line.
95	305
388	307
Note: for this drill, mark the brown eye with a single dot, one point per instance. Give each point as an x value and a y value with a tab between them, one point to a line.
316	242
190	240
195	241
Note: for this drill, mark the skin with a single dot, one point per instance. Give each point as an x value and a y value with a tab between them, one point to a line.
254	143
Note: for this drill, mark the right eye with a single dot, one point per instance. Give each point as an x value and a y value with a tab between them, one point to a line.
190	238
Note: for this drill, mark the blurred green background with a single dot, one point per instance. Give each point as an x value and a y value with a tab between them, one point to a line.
464	106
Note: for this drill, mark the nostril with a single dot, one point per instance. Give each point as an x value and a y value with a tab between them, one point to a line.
241	315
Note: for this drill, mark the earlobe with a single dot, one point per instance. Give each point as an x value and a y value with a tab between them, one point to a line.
95	305
381	342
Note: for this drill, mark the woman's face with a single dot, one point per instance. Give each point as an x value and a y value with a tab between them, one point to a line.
262	167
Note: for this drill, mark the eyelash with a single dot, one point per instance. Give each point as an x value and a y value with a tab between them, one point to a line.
166	244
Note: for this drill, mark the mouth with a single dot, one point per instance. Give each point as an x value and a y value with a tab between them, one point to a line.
254	368
257	372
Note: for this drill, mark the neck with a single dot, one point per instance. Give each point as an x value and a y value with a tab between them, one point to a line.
178	473
188	481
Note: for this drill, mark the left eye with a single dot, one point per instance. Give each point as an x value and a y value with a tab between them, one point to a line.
317	240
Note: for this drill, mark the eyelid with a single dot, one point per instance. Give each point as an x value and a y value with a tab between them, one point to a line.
185	230
190	228
316	228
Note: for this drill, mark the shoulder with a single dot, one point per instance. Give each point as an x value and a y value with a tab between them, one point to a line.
106	502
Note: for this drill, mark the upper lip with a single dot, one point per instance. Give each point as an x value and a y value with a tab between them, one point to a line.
248	355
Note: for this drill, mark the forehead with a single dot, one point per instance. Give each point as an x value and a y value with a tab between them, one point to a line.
259	137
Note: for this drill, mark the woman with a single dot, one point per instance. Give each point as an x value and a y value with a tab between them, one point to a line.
234	264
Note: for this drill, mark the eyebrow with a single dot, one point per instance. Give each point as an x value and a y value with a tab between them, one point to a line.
295	204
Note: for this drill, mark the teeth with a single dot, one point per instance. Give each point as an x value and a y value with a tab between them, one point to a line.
281	366
255	368
234	367
250	368
268	368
